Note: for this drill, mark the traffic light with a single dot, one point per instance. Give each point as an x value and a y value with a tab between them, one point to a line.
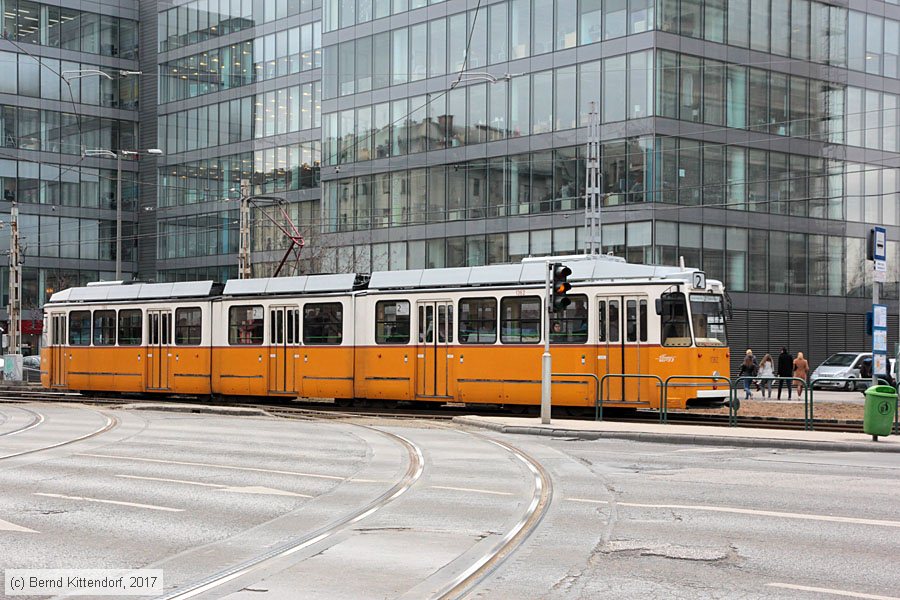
560	287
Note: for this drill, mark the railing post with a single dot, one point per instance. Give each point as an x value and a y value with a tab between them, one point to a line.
712	381
597	380
598	405
809	416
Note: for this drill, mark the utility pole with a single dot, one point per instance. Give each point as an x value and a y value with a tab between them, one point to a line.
592	216
244	236
546	359
15	284
119	216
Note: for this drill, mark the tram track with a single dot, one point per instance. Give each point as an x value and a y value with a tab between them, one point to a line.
481	569
331	411
487	563
111	423
36	420
414	470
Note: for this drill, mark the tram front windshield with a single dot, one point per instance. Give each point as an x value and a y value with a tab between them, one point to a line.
708	319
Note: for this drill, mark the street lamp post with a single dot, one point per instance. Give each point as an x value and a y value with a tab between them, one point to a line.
118	156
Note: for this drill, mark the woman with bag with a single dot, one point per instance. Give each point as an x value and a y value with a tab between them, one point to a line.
766	370
748	372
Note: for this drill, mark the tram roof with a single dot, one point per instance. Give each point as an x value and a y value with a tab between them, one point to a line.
529	271
114	291
303	284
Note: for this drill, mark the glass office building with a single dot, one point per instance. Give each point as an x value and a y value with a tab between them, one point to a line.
239	100
54	104
758	139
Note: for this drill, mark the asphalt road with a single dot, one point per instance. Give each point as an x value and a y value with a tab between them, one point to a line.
257	507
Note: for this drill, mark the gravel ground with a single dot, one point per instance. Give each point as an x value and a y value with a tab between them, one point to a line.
794	410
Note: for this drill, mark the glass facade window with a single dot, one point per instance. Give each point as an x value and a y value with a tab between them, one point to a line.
247	62
42	24
277	112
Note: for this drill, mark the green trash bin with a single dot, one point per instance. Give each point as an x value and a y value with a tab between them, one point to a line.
881	405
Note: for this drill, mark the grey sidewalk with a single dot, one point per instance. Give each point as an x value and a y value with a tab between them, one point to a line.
687	434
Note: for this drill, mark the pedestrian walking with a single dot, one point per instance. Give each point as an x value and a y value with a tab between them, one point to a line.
785	369
801	370
755	364
748	371
766	372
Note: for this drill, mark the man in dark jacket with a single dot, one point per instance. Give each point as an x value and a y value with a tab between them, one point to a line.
785	369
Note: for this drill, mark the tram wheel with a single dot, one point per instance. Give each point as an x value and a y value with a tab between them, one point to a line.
343	402
517	409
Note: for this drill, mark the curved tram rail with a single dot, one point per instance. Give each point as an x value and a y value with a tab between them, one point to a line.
111	423
413	472
36	420
537	508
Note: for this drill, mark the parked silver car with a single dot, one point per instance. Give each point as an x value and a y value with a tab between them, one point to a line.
31	368
843	365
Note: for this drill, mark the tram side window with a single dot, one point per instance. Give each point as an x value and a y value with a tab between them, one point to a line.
478	320
80	328
636	318
601	318
104	328
392	322
188	324
130	327
673	320
631	321
58	331
445	323
614	320
245	325
292	315
571	325
520	320
642	320
323	323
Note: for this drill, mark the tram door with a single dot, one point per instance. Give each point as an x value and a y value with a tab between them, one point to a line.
622	338
159	348
284	337
432	356
58	354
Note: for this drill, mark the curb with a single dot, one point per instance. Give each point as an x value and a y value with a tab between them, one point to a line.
680	438
232	411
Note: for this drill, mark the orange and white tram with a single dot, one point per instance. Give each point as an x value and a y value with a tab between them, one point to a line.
471	335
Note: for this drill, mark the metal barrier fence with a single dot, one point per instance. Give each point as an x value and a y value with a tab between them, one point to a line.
807	395
664	405
597	401
598	409
734	388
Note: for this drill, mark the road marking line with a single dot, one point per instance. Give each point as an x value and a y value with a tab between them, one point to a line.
7	526
257	489
135	504
750	511
249	489
817	590
197	464
215	485
461	489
